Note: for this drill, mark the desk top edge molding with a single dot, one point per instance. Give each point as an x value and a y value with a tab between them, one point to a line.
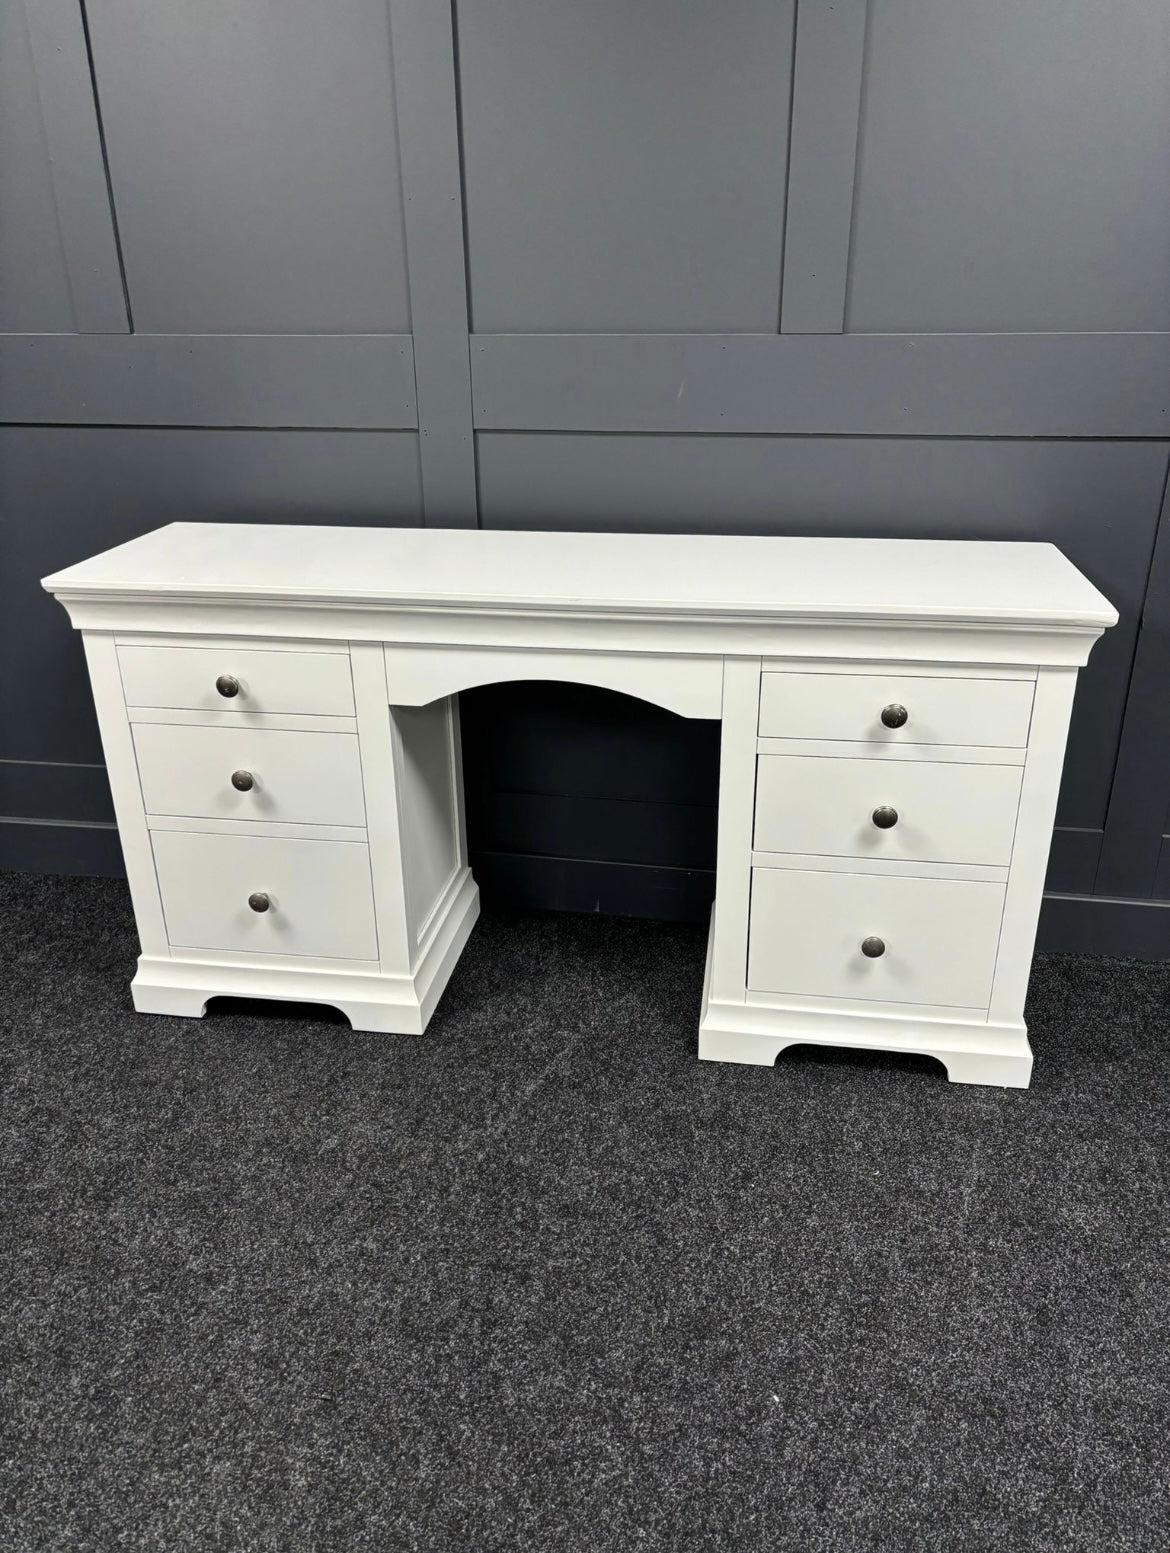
669	593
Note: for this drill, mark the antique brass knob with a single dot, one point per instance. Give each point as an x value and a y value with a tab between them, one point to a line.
873	948
259	901
895	716
228	685
244	781
884	817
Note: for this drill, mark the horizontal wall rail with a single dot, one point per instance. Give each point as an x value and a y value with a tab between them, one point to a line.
361	381
987	385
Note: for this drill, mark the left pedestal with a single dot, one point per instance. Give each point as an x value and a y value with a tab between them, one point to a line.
287	833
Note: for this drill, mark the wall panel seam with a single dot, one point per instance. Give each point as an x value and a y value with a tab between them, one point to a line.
59	42
423	49
101	132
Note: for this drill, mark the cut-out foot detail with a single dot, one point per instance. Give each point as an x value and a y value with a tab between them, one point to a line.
376	1018
276	1008
970	1053
731	1046
823	1055
1008	1070
185	1002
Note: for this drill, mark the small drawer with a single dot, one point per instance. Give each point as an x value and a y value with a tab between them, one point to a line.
937	711
899	810
231	679
320	899
250	774
936	938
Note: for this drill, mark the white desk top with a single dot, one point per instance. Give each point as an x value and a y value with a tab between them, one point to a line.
951	581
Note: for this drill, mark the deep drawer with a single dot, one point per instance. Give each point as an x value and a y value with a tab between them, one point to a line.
320	897
939	937
314	683
299	778
942	812
938	711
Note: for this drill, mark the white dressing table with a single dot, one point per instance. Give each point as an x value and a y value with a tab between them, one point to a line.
279	712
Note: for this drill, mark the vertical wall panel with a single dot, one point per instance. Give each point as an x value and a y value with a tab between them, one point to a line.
624	164
254	163
1013	170
34	283
826	100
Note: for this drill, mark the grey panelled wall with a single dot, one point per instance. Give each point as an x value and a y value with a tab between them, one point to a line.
1013	159
597	145
896	267
262	197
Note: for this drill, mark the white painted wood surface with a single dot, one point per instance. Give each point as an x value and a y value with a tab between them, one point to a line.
349	645
279	829
425	755
322	902
956	581
692	687
1025	889
276	681
370	997
822	862
190	717
940	937
122	770
733	871
874	749
946	813
297	778
941	711
384	809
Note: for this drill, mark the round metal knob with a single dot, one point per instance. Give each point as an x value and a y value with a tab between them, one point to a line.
228	685
884	817
895	716
244	781
873	948
260	902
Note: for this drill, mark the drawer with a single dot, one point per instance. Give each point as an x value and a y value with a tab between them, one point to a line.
316	683
299	778
321	898
940	937
945	813
939	711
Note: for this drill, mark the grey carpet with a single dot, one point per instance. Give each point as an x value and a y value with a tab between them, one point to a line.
540	1280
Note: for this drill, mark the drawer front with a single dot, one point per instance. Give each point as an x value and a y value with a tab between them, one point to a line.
317	683
939	711
321	898
940	937
944	813
299	778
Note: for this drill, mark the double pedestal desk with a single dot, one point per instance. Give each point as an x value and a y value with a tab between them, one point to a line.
280	717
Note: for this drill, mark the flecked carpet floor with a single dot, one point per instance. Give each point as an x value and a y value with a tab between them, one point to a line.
541	1281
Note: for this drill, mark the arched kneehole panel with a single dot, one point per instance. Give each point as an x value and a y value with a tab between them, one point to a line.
584	799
